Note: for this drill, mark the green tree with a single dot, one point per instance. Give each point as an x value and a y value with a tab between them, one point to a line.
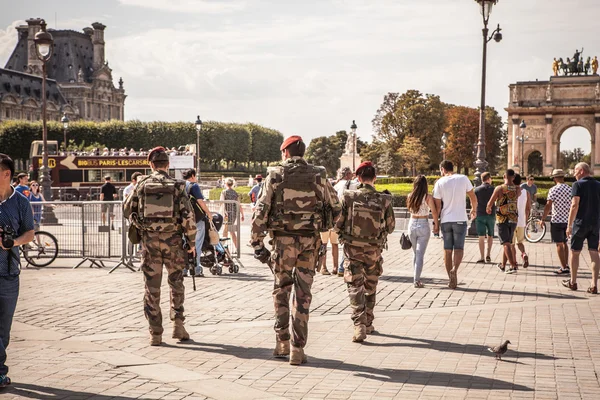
570	158
385	160
412	153
411	114
325	151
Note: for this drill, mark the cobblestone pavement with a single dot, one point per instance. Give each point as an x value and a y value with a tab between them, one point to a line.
81	334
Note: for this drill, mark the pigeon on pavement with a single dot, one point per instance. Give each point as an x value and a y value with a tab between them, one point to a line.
499	350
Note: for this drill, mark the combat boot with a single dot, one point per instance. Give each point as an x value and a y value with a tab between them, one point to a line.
370	329
282	349
155	340
360	333
179	331
297	356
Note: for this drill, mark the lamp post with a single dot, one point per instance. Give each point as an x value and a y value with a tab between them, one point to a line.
198	129
43	48
443	146
486	9
65	122
522	140
353	138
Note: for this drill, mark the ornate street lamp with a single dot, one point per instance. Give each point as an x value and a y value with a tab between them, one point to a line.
486	9
198	129
353	138
43	47
65	122
522	140
443	146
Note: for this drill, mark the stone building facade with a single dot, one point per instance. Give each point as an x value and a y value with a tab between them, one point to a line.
80	82
549	108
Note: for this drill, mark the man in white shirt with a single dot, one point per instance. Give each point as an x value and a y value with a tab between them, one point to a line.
451	190
127	191
345	182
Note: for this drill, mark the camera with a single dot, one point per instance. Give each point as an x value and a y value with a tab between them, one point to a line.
8	236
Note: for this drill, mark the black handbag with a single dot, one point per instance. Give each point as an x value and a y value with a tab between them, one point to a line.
405	242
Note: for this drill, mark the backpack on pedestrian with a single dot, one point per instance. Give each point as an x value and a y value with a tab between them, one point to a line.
199	214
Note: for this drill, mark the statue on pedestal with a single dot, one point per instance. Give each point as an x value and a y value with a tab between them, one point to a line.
349	149
555	67
549	93
515	99
595	65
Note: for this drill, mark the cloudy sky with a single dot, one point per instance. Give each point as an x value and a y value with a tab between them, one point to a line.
310	67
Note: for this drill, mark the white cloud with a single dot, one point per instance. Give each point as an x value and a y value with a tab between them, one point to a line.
189	6
8	41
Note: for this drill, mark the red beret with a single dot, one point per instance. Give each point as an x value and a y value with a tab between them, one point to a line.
363	165
287	142
154	151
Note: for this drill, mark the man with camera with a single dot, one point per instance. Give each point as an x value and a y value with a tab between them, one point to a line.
16	229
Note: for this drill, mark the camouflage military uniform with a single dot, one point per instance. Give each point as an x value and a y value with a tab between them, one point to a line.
293	213
367	218
161	208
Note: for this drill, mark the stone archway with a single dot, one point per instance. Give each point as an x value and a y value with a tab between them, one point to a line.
534	163
549	108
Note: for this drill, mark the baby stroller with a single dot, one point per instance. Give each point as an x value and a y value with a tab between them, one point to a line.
216	257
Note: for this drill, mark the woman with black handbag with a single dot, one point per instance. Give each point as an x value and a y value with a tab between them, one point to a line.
419	204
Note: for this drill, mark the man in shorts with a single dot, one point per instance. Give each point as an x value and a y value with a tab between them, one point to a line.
485	222
559	201
107	193
583	224
524	208
326	237
452	189
505	196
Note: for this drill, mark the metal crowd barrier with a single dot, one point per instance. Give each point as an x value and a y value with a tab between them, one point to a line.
96	231
91	230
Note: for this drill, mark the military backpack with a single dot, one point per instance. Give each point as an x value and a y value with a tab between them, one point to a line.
158	205
299	200
366	217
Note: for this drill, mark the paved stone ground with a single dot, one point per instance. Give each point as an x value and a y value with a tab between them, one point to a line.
81	334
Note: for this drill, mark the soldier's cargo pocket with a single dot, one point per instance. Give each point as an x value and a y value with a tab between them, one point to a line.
379	266
348	273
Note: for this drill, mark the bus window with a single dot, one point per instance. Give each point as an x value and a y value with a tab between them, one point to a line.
94	175
70	176
116	175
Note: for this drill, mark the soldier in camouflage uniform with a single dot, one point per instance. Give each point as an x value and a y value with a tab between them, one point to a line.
160	208
295	203
367	218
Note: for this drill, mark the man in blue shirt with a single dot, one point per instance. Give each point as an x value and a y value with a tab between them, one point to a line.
192	189
253	193
23	186
16	222
584	222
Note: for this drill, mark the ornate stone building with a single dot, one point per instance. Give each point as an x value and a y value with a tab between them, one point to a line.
80	82
549	108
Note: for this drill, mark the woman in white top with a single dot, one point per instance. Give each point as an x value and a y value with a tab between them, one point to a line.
419	204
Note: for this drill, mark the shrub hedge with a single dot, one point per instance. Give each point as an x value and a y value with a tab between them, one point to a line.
230	143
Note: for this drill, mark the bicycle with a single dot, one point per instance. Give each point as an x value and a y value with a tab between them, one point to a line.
534	232
41	251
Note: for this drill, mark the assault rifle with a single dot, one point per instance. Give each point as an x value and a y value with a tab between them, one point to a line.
190	261
264	256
